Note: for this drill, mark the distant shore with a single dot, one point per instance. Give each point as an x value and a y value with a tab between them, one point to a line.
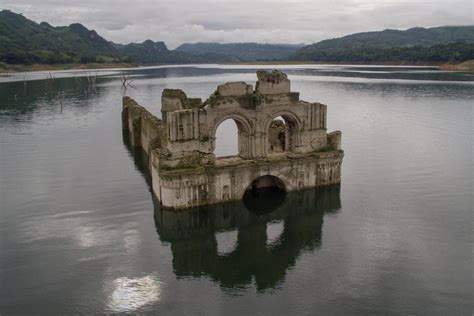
6	69
465	66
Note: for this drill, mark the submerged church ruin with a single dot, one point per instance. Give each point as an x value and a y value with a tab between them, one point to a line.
283	142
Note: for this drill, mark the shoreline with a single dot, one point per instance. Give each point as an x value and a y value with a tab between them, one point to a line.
54	67
464	66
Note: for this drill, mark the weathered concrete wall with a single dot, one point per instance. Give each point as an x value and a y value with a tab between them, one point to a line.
334	140
234	89
229	180
191	124
146	130
272	83
183	165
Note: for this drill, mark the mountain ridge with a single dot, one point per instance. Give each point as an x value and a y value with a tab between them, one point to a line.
358	44
248	51
23	41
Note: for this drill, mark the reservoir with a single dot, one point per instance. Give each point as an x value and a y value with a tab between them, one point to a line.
81	232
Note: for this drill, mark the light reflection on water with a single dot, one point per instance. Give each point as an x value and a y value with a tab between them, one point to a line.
226	242
274	231
130	295
77	233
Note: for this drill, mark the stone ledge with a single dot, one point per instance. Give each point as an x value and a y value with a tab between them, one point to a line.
232	162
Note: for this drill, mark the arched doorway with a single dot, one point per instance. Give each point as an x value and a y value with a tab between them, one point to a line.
264	194
227	139
282	133
234	139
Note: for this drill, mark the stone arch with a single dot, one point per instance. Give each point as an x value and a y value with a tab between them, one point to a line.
267	181
292	133
265	193
244	129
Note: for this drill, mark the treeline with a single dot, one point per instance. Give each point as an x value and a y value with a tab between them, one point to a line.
23	41
242	51
441	53
18	56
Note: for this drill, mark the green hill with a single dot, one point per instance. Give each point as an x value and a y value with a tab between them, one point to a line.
147	52
438	44
150	52
23	41
242	51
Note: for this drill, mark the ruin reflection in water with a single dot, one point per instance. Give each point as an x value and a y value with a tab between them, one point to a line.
256	254
258	238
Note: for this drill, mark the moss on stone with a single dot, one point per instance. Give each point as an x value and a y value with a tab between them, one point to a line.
174	93
179	167
193	103
204	139
325	148
187	103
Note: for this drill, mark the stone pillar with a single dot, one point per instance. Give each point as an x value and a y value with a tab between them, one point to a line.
334	139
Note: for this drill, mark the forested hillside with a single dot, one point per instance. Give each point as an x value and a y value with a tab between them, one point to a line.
439	44
243	51
150	52
23	41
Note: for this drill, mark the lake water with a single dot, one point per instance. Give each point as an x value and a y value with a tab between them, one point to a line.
81	233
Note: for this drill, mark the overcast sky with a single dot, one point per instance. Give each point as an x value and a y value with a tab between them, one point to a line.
264	21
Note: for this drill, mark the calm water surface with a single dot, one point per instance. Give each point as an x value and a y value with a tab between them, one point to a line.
81	233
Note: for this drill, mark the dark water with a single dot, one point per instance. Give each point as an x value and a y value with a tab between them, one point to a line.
81	233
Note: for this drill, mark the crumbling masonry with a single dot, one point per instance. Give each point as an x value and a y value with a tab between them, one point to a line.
293	155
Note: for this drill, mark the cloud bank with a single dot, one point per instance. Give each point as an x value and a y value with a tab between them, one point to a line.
224	21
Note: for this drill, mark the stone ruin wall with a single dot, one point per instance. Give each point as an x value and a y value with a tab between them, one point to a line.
180	147
215	185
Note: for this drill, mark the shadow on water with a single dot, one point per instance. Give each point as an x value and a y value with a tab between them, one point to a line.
254	254
264	234
139	158
265	201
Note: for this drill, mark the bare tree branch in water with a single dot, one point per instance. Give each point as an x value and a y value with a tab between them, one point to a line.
60	98
50	85
126	82
25	80
91	79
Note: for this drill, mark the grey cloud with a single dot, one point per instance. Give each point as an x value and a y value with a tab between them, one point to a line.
276	21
